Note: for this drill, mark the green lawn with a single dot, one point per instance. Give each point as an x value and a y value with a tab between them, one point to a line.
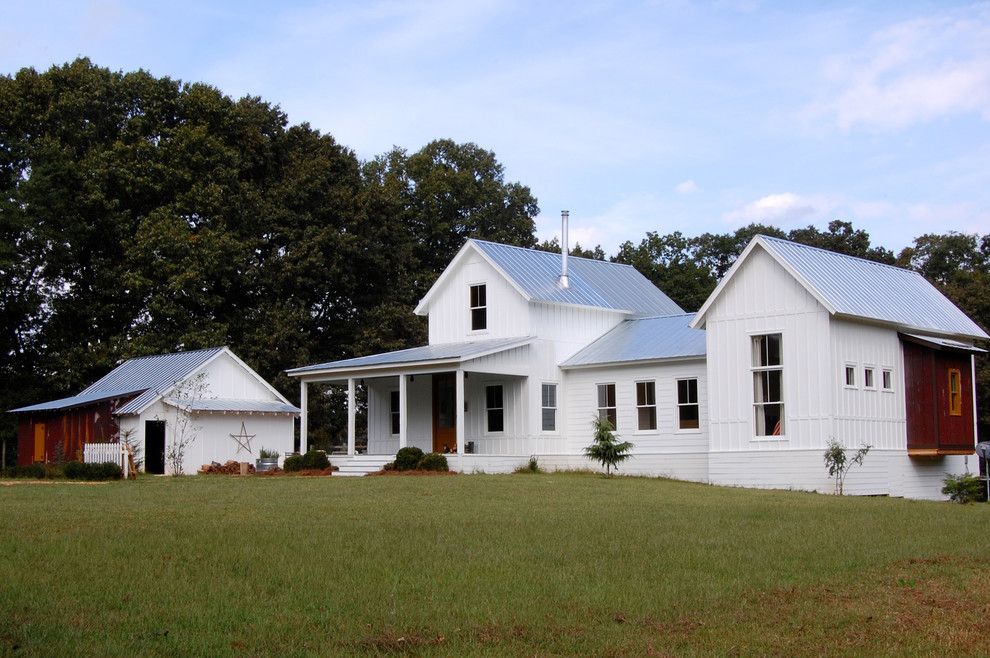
519	564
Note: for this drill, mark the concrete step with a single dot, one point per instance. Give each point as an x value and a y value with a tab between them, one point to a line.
360	465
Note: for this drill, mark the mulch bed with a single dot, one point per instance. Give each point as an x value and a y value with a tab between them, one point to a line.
414	472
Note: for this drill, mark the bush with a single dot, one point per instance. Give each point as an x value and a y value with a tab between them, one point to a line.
34	471
93	472
312	460
408	458
965	488
432	461
292	463
532	466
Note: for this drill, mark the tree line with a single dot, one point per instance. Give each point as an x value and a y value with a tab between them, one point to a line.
143	215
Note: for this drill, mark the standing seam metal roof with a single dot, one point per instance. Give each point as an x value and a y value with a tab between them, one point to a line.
867	289
594	283
644	339
149	375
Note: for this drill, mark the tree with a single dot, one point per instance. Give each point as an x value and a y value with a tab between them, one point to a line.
606	449
842	238
838	463
180	417
667	261
553	246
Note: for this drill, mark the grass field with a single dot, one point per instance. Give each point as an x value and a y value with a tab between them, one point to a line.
466	565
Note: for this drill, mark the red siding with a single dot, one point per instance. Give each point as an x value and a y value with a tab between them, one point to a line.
70	429
930	426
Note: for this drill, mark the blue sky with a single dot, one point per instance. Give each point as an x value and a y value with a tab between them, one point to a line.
635	116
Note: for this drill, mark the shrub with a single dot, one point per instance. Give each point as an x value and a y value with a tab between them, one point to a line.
292	463
315	460
532	466
838	464
265	453
408	458
389	466
433	461
965	488
35	471
606	448
93	472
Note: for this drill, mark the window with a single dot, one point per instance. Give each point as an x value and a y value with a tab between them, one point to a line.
393	410
606	403
868	380
549	406
768	373
479	308
955	392
851	376
687	404
494	410
646	405
888	383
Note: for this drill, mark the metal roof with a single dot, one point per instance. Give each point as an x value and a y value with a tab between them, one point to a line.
226	404
643	339
594	283
443	352
149	375
866	289
943	342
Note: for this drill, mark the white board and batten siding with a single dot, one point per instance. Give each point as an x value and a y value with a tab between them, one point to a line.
762	298
225	378
668	450
449	311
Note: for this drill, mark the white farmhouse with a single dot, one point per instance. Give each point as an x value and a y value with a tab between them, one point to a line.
795	347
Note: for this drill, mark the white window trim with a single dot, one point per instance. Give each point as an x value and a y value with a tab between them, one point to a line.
783	384
855	385
678	405
616	407
477	332
876	385
890	370
556	409
655	406
484	393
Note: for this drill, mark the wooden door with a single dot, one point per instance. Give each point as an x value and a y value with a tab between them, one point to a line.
444	413
39	442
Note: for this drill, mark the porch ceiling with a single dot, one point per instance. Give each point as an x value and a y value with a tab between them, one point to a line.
425	359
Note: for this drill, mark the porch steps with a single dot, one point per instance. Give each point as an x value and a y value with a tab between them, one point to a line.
361	465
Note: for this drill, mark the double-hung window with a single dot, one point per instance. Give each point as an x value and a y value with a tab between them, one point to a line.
646	405
494	409
393	411
768	381
549	407
606	403
687	404
479	307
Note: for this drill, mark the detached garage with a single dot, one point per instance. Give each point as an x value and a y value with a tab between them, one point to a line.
179	410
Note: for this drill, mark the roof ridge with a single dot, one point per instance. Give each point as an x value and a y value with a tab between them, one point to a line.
838	253
661	317
156	356
550	253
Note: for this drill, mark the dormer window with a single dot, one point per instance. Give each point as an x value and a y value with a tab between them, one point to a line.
479	308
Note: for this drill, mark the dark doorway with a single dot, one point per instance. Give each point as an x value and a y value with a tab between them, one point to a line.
154	447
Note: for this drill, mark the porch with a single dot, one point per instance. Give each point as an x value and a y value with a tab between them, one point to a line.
466	400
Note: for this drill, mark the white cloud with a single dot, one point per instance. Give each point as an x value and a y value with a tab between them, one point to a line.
781	208
686	187
911	72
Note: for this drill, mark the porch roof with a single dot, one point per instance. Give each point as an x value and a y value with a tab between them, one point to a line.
643	339
445	353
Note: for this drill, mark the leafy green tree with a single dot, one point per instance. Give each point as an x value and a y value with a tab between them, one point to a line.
606	449
553	246
842	238
838	463
667	261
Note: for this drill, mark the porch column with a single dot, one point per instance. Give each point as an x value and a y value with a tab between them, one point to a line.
403	407
459	409
303	417
351	415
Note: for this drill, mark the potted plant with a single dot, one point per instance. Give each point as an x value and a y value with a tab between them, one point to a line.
267	460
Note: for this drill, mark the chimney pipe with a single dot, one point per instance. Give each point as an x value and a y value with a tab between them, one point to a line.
564	248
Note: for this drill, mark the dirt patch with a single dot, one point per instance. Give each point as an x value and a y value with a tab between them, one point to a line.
312	472
413	472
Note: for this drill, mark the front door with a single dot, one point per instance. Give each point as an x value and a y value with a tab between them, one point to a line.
154	447
39	442
444	413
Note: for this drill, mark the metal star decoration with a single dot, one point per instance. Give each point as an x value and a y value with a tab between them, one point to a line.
243	440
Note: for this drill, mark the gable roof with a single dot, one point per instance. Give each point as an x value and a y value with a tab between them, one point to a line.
147	378
859	288
442	352
643	339
593	283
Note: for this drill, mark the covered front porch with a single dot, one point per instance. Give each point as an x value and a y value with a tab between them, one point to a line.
466	400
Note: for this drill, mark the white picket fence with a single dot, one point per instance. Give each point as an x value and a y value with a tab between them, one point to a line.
97	453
